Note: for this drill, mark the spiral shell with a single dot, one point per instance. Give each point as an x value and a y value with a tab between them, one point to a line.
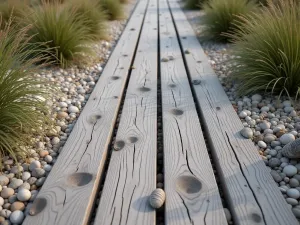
157	198
292	149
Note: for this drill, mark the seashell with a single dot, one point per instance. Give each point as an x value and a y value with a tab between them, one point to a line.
164	60
157	198
292	149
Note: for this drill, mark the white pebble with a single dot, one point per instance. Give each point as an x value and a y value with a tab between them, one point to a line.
290	170
24	195
293	193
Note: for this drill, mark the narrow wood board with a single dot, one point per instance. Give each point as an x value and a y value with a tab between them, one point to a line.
192	195
131	176
251	192
71	186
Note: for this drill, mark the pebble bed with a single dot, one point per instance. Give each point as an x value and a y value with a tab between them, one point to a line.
271	122
20	183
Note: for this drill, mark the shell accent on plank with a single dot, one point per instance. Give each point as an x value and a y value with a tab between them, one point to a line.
157	198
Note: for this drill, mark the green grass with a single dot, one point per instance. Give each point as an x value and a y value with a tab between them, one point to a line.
268	50
220	16
62	30
94	17
23	112
113	8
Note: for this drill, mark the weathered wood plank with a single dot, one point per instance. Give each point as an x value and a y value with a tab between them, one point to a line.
131	176
252	194
71	186
192	195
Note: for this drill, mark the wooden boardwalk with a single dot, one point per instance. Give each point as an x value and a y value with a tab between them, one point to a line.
158	49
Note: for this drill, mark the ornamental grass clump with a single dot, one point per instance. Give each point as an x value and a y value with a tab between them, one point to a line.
268	50
113	8
62	31
221	16
23	111
93	15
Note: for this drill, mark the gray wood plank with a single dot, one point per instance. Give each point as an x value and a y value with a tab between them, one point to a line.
192	195
252	193
70	188
131	176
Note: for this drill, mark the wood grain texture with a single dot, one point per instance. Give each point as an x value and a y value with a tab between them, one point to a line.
69	199
251	192
131	176
192	195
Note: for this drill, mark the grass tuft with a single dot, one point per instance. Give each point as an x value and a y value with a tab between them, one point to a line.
62	30
113	8
94	17
220	16
268	50
23	111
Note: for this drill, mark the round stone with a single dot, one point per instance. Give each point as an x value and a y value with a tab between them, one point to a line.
294	182
73	109
291	201
47	168
24	195
247	132
12	199
4	180
274	162
264	125
293	193
276	176
55	141
227	215
242	114
290	170
24	185
48	159
5	213
16	217
40	181
62	115
265	109
296	212
262	144
26	176
17	206
38	172
256	97
7	192
34	164
287	138
43	153
268	138
15	183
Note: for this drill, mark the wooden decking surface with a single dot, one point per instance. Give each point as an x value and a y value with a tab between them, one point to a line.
158	45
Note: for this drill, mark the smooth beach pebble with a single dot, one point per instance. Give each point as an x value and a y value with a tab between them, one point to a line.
247	132
17	217
293	193
287	138
290	170
24	195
